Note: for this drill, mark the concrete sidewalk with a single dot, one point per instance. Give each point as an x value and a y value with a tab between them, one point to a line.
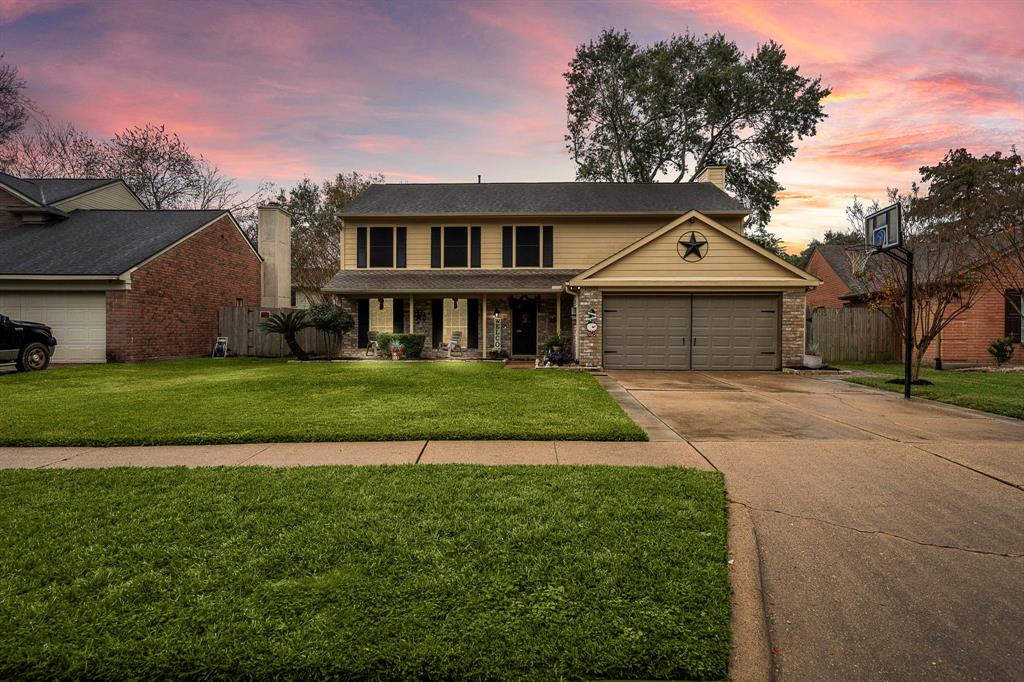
401	452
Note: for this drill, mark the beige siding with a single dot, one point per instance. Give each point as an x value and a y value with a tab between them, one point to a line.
578	243
725	258
111	197
734	223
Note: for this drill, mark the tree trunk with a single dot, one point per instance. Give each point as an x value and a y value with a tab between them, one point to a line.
294	347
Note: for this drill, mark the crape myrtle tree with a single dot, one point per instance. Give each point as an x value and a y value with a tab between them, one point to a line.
947	279
316	226
664	111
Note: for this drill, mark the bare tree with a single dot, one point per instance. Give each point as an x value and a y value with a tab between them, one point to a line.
15	106
157	165
54	150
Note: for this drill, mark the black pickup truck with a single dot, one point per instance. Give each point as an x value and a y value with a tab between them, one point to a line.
28	345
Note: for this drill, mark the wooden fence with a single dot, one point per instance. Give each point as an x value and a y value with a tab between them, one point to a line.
853	334
242	327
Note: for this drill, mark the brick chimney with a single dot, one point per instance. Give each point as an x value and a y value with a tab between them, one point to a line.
275	245
713	174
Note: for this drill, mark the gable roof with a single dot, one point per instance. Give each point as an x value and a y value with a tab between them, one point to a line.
44	191
542	198
835	255
96	242
799	276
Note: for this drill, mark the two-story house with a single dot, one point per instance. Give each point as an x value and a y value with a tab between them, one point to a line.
645	276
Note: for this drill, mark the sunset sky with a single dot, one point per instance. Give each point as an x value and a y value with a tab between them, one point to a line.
441	91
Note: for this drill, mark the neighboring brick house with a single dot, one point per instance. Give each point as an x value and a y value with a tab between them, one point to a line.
964	340
115	281
653	276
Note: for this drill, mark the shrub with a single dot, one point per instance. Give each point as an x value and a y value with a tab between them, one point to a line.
497	354
812	348
1001	349
413	344
331	318
554	340
288	325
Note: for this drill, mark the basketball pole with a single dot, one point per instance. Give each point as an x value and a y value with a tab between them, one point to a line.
909	341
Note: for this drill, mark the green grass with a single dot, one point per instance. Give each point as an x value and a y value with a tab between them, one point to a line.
1000	393
373	573
252	400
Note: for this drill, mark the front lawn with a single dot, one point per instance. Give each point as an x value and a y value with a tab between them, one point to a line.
382	573
250	400
997	392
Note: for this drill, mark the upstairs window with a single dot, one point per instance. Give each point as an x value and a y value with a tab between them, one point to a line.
455	246
380	247
527	246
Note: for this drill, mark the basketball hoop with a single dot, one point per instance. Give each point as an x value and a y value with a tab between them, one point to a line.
857	257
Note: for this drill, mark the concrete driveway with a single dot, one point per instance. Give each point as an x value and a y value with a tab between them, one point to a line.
890	534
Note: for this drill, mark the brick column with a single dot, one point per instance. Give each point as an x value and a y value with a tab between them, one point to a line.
350	341
591	350
793	326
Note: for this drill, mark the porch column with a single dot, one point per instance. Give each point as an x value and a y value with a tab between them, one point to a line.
412	317
558	313
483	318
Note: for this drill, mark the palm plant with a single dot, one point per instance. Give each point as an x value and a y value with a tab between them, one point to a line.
288	325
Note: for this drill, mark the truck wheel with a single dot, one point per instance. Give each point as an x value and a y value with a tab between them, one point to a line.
34	358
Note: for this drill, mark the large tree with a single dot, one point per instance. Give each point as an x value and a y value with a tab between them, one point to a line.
981	199
642	113
316	226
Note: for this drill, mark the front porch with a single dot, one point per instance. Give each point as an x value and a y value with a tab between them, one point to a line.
509	315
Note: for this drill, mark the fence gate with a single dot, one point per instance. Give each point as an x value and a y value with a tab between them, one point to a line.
853	334
242	327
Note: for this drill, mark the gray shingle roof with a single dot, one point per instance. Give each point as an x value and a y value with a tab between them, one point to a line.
95	242
448	281
51	190
838	259
542	198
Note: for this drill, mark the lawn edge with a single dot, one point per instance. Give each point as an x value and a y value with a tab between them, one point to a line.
940	403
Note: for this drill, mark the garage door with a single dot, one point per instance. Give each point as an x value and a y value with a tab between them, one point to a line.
647	332
691	332
735	332
79	321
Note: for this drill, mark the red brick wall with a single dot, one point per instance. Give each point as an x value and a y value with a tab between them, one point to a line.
8	219
171	310
966	338
827	295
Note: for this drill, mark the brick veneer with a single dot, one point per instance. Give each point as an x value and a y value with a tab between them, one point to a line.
793	326
171	310
966	339
591	350
832	287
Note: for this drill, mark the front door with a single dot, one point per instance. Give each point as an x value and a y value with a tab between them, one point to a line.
524	326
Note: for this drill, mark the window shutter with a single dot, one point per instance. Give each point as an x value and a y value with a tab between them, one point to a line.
361	247
474	246
363	322
472	323
436	322
398	315
399	247
549	246
435	247
1012	315
506	246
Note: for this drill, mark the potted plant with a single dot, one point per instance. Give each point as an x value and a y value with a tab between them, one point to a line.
554	342
812	358
397	349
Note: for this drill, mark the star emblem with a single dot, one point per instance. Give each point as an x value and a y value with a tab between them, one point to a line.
693	247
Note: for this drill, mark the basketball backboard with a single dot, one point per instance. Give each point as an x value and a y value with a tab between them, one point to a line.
883	229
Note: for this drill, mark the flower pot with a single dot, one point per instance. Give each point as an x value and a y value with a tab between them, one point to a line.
396	356
812	361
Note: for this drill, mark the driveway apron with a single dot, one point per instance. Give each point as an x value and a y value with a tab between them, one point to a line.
890	534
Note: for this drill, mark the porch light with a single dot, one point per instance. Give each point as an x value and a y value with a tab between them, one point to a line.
380	303
455	303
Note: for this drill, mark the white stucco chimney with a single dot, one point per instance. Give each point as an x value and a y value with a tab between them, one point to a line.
275	245
713	174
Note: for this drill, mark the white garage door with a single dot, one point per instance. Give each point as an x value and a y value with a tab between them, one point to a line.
79	320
